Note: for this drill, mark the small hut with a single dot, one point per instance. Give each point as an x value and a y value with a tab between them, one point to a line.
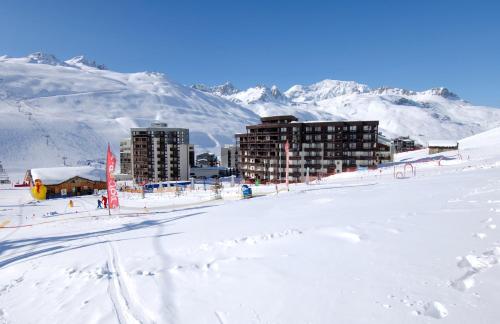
68	181
438	146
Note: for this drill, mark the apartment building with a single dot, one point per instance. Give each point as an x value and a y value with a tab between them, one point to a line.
317	148
160	153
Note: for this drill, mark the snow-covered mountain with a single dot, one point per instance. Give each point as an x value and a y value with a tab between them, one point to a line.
50	109
257	94
323	90
425	115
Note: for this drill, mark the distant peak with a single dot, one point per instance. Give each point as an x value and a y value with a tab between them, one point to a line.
225	89
325	89
44	58
442	92
393	91
82	60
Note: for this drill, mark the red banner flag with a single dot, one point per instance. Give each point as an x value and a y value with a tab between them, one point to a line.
110	179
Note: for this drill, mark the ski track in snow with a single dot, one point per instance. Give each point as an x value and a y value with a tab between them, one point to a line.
126	304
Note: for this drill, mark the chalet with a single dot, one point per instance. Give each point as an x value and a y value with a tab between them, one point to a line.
442	146
68	181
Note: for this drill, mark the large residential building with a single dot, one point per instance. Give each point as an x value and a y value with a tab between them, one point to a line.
160	153
315	148
229	157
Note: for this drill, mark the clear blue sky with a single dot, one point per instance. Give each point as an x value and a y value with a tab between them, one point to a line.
410	44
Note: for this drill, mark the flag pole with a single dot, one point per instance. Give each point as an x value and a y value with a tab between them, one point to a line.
107	177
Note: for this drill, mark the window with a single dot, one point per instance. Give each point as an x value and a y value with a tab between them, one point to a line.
308	128
352	145
283	137
367	145
330	128
352	128
352	137
367	137
283	130
329	137
317	128
308	137
317	137
367	128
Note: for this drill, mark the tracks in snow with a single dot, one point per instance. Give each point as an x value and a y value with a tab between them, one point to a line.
126	303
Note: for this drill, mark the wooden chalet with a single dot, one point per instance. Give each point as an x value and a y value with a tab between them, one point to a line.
68	181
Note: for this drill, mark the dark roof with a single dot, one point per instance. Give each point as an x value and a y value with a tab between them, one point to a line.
276	118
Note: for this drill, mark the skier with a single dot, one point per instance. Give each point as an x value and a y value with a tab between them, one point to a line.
105	201
99	203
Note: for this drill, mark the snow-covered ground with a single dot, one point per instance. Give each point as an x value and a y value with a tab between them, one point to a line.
361	247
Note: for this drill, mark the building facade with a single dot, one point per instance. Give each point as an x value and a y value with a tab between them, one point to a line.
316	148
404	144
385	149
207	159
4	178
126	156
438	146
229	157
160	153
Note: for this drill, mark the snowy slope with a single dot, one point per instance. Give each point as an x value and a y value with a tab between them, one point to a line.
82	106
432	114
357	248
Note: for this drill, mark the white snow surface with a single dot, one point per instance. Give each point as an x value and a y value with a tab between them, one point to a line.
57	175
358	247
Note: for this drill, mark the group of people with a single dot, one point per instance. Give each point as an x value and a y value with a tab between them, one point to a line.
104	202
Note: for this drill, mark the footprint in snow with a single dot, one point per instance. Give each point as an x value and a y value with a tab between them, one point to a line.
481	236
435	309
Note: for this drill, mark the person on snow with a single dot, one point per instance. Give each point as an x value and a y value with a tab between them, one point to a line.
99	203
105	201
